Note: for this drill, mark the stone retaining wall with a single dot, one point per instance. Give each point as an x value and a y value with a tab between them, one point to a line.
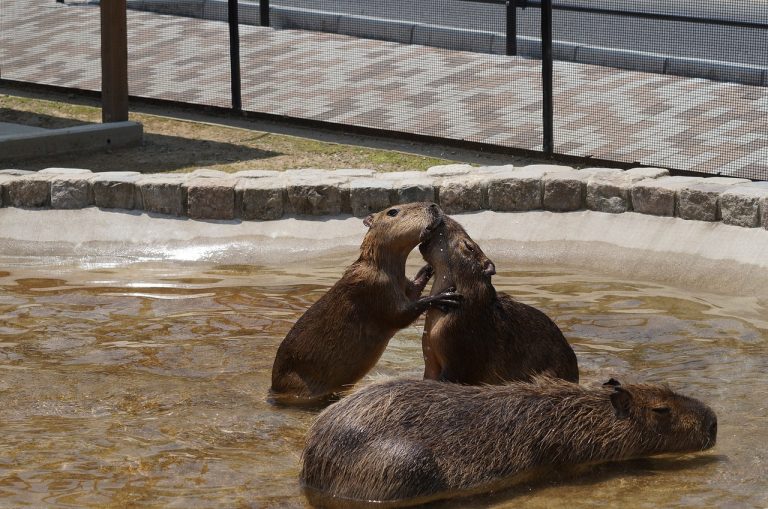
268	195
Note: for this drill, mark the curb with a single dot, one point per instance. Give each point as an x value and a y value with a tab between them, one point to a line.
479	41
89	137
264	195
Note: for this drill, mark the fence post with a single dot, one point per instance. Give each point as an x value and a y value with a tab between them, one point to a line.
546	76
264	13
511	27
114	61
234	54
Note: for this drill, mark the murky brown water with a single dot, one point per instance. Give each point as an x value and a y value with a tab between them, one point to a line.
145	384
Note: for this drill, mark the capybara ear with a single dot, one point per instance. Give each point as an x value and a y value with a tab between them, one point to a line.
621	400
612	383
490	268
368	221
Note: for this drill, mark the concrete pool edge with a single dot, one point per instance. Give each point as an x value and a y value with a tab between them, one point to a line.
263	195
690	254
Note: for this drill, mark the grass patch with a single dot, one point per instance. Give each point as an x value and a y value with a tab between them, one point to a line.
176	145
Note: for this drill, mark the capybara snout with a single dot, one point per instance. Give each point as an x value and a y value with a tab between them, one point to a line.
405	225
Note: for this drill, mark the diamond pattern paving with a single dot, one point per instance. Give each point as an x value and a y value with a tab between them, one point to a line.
689	124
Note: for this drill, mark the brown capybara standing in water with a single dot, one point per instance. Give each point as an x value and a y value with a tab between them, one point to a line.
405	442
489	338
342	335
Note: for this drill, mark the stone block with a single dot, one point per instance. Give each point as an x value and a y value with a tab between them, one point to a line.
463	194
401	175
260	199
596	171
545	169
637	174
32	190
116	190
163	194
211	198
306	173
414	190
492	170
71	190
519	193
209	173
563	191
367	195
609	193
64	171
764	212
658	196
427	34
449	170
318	196
12	172
256	174
740	205
353	173
728	181
376	28
700	201
4	178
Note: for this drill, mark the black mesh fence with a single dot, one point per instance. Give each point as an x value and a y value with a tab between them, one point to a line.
680	84
42	41
179	58
410	82
675	84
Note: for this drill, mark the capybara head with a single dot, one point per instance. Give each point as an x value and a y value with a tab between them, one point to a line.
401	227
452	252
670	422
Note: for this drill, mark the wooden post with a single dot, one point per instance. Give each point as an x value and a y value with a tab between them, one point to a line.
114	61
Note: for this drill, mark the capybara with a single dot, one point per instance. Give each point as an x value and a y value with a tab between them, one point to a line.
342	335
414	441
489	338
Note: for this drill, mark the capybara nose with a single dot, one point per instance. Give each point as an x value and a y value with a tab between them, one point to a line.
713	429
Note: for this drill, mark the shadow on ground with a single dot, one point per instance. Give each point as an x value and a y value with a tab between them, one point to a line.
157	153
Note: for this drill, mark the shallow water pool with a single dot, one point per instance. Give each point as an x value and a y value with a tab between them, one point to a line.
145	383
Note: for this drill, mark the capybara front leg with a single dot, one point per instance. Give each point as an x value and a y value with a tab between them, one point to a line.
421	279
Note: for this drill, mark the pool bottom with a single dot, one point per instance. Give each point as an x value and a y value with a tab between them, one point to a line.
146	382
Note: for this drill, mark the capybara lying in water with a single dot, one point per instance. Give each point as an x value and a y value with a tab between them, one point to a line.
342	335
413	441
490	338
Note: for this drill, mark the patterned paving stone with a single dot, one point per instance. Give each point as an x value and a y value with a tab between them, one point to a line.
658	120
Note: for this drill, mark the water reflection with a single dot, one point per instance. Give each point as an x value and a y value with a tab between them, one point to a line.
146	384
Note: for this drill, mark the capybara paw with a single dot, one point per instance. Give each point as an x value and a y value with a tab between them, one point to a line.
424	273
447	300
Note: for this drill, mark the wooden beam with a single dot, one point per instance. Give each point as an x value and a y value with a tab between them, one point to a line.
114	61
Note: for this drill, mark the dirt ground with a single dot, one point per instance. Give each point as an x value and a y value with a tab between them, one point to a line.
178	139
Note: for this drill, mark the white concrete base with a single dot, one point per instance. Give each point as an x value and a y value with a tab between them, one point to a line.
708	256
19	142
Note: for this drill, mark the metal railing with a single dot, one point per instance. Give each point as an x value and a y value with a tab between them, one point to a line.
546	7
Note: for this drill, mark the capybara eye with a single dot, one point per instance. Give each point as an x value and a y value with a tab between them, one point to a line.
469	246
662	410
392	212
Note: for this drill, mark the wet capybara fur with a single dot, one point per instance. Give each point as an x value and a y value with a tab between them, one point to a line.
490	337
342	335
403	442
